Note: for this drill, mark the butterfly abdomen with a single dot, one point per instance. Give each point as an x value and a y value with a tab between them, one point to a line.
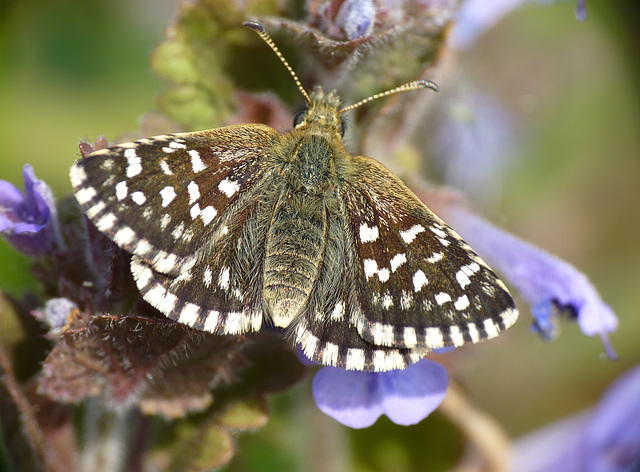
296	243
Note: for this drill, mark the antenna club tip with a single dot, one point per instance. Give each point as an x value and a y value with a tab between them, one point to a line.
429	84
254	26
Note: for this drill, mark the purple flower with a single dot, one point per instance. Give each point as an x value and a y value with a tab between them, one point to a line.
356	18
547	283
27	220
606	439
581	10
358	399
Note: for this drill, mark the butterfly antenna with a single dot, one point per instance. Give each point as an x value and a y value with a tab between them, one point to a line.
258	28
416	84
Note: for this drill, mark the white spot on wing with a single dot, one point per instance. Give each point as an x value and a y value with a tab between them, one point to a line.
167	194
466	271
409	337
177	145
370	268
124	236
330	354
434	338
235	323
189	314
121	190
165	262
228	187
397	261
195	211
435	257
208	214
138	198
165	220
212	321
456	336
387	360
223	281
438	232
165	167
473	332
442	298
141	273
461	303
491	328
85	195
355	359
419	280
196	163
106	222
409	235
177	231
338	311
367	234
77	175
194	191
382	334
107	165
509	317
406	300
208	277
134	164
143	247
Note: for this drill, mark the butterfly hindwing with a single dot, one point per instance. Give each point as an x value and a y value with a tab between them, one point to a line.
419	285
165	199
222	292
327	329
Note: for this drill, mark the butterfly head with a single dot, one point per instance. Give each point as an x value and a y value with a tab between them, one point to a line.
322	116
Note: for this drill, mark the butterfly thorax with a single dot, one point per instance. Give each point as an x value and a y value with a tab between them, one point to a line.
297	237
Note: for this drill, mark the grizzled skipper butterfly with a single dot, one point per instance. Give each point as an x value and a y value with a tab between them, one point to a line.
240	226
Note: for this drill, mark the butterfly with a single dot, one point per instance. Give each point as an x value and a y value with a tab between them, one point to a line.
239	227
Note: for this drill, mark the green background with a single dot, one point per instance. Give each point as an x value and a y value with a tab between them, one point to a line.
72	70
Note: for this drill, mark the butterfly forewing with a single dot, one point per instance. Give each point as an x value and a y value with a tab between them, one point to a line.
166	199
419	285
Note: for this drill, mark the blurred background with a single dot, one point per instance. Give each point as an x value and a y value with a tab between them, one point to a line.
72	70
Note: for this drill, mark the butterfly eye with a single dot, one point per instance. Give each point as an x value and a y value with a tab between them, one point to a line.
343	127
299	118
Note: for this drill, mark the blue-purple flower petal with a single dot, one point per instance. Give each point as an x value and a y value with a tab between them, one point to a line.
612	438
26	219
356	18
543	280
410	395
358	399
350	397
581	10
605	439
